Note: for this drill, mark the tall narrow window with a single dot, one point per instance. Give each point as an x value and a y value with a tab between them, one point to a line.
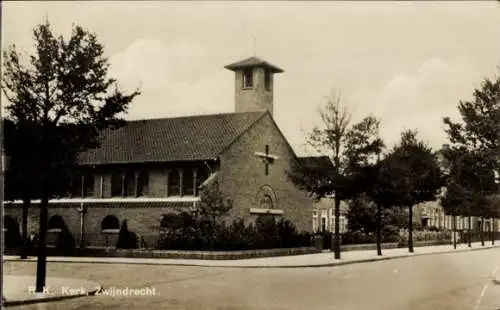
129	184
188	182
116	184
88	185
267	80
174	188
142	183
76	185
248	78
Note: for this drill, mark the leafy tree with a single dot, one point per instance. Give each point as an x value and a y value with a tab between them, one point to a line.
212	208
213	205
410	174
475	141
470	183
19	179
61	98
363	150
336	138
362	216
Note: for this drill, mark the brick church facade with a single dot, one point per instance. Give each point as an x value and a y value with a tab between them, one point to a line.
152	167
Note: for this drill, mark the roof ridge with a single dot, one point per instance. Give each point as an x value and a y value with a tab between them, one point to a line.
192	116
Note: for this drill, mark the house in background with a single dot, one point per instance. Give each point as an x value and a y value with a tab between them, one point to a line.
152	167
324	216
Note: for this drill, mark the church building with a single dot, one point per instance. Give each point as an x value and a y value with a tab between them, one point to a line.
152	167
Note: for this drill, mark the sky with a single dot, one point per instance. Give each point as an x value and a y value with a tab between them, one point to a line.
408	63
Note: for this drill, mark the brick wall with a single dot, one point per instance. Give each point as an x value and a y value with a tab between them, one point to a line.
255	98
142	219
242	174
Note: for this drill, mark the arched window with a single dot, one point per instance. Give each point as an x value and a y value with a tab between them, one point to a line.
174	179
129	184
266	198
266	201
110	224
116	184
142	183
56	224
188	182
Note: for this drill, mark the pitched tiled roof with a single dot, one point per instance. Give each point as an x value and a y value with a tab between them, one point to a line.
316	162
170	139
253	62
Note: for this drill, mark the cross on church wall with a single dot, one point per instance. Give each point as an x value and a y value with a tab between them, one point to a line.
267	158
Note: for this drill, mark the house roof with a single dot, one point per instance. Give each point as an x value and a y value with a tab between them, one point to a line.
253	62
316	162
170	139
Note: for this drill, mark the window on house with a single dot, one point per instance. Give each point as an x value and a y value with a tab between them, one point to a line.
188	182
323	224
142	183
76	185
116	184
267	79
88	185
248	78
174	188
129	184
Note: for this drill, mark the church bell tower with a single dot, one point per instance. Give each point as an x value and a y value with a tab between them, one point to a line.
254	84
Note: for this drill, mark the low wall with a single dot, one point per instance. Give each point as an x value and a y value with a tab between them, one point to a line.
365	247
392	245
431	242
173	254
207	255
221	255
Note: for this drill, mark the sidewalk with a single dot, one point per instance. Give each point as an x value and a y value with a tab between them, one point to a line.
19	290
308	260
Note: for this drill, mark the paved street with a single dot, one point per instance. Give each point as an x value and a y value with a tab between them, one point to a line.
457	281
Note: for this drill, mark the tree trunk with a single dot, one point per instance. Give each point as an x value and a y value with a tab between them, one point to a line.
454	232
482	231
24	248
469	232
378	231
336	239
410	230
41	266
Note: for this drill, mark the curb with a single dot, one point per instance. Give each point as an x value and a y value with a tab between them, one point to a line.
330	264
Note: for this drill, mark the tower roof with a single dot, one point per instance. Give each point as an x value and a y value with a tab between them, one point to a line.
253	62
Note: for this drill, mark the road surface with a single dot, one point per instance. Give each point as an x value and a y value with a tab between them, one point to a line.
455	281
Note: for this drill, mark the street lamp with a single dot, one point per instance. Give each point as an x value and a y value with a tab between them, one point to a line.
82	210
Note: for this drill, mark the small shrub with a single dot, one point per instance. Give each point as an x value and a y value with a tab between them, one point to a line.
65	243
184	232
126	238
